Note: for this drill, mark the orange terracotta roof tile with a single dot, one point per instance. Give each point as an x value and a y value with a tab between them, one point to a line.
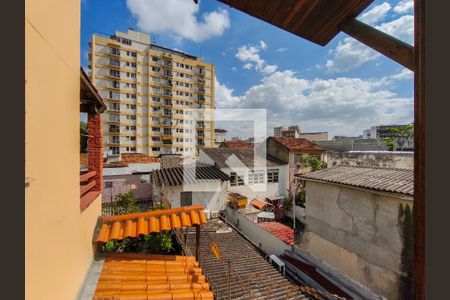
236	144
259	204
298	144
281	231
150	276
132	225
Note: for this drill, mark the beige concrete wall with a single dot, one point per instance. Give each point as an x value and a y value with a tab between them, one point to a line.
58	247
357	232
320	136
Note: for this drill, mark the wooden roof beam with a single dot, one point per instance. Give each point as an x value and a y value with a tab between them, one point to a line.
386	44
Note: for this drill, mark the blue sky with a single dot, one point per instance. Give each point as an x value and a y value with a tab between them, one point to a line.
341	88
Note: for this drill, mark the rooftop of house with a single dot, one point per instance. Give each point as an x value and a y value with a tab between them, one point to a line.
297	144
150	276
236	144
132	225
181	175
220	157
281	231
397	181
252	276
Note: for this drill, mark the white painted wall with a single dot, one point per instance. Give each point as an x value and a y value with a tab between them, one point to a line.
256	233
212	196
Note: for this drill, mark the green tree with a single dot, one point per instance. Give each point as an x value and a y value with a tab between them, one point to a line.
403	131
287	203
300	198
124	204
313	162
83	137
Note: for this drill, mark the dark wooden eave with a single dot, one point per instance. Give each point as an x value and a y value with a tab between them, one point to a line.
319	21
90	100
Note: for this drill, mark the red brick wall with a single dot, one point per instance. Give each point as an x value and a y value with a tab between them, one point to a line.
95	149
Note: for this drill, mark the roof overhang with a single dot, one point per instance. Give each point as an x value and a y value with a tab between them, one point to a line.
319	21
90	100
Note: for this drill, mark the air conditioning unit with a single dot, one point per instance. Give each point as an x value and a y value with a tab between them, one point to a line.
215	214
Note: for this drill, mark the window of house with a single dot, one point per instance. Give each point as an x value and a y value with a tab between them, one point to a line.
156	99
156	149
133	149
108	184
156	139
186	198
133	127
131	117
272	175
115	51
114	73
156	129
297	159
133	138
256	177
236	179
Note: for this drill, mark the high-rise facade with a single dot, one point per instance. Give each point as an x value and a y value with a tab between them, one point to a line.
149	90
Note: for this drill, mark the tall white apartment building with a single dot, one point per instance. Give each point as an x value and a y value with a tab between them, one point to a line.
149	90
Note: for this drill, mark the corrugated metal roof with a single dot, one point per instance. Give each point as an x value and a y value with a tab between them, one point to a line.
179	175
246	156
399	181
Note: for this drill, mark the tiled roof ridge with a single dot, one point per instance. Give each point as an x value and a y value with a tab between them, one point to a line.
154	213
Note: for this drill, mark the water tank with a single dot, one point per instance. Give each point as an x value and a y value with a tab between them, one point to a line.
208	214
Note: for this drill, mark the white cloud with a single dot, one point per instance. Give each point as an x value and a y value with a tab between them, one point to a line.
263	45
269	69
249	54
404	6
403	75
376	14
350	53
401	28
340	105
281	50
179	19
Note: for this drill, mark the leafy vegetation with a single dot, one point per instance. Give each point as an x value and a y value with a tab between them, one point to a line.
300	198
160	243
403	131
287	203
122	204
313	162
83	137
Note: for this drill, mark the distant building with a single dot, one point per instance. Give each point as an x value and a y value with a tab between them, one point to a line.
147	89
248	179
381	131
219	136
201	185
355	223
291	150
292	131
315	136
235	138
236	144
346	138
